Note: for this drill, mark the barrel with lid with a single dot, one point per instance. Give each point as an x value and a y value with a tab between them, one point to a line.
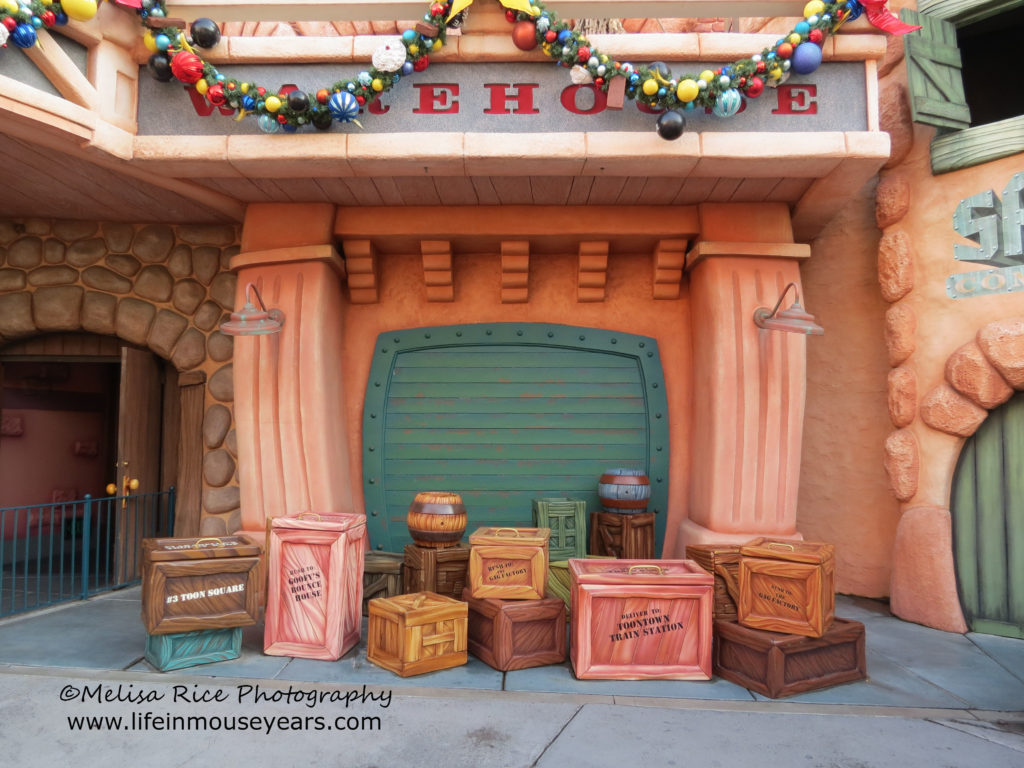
624	490
437	519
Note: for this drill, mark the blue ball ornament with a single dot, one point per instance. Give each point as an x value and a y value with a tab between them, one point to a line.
802	28
163	42
806	58
343	106
269	124
855	9
407	68
249	103
37	22
563	36
61	20
24	36
289	128
409	35
728	103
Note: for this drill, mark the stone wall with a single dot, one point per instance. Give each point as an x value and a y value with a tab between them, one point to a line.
164	288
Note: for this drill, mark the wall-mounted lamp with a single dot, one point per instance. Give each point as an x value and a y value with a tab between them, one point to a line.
793	320
251	321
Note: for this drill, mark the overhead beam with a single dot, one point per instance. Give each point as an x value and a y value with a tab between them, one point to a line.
379	10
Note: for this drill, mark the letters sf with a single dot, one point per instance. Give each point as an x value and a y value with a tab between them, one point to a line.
521	99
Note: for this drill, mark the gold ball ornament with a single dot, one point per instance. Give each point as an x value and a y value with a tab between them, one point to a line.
150	41
9	5
814	8
79	10
272	103
707	75
687	90
377	84
202	86
650	87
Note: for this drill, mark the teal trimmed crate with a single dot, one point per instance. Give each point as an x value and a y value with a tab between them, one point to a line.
190	649
567	519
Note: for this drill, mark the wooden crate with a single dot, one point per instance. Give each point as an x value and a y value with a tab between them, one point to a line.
417	633
629	537
314	585
640	620
560	581
776	665
509	563
787	586
190	649
567	521
382	576
516	634
193	584
442	571
723	562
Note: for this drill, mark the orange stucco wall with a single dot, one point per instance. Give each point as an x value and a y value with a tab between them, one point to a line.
629	307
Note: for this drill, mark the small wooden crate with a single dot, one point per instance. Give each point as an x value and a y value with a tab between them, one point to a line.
516	634
442	571
417	633
193	584
787	586
314	585
560	580
567	521
509	563
723	562
190	649
776	665
640	620
382	576
629	537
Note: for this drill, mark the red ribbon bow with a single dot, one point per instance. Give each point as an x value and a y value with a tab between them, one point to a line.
881	18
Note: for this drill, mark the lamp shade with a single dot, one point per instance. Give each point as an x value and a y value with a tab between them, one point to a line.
252	320
793	319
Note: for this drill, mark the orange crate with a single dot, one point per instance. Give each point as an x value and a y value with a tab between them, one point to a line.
417	633
509	563
641	620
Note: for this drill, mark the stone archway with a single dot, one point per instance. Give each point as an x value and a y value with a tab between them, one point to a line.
979	376
162	287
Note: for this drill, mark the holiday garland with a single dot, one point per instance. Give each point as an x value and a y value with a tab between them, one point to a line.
720	91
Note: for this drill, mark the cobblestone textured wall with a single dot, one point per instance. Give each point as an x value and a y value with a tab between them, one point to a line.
166	288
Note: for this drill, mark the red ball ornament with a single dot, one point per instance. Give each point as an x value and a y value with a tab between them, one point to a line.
760	66
420	64
784	51
755	88
360	100
261	91
49	18
10	23
187	67
583	53
436	9
510	15
524	35
815	36
599	81
550	36
215	94
322	95
282	119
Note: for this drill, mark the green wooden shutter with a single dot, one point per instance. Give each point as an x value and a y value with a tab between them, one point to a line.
988	523
933	73
504	413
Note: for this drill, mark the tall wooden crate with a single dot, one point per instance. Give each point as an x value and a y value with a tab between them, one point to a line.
315	585
567	521
626	536
382	576
417	633
442	571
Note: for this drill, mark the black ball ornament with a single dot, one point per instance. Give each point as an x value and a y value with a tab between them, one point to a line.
298	101
322	119
671	125
205	32
160	67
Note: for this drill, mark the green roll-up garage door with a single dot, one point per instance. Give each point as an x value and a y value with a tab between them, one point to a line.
504	413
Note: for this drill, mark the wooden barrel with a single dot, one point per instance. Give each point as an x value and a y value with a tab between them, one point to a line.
437	519
624	490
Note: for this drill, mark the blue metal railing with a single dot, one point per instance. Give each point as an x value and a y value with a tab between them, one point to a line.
51	553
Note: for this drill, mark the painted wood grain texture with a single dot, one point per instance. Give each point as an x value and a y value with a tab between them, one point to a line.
417	633
443	571
712	557
382	576
508	572
777	665
196	584
988	522
638	620
190	649
516	634
629	537
567	520
786	596
315	583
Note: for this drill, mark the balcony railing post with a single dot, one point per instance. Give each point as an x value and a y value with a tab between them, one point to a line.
86	536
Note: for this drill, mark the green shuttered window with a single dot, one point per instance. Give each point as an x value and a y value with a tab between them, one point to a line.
505	413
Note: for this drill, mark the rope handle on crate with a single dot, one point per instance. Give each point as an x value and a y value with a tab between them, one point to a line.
730	583
218	542
313	514
637	568
782	544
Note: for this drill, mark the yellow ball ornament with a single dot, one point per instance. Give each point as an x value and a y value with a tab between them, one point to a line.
650	87
202	86
79	10
413	49
813	8
149	41
272	103
244	87
687	91
9	5
795	39
438	45
707	75
775	74
377	85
